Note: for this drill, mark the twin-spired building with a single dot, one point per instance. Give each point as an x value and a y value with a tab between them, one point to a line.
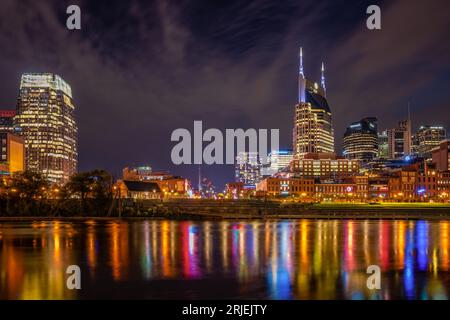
313	131
46	120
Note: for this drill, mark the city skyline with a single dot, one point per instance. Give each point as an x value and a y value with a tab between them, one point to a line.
118	103
198	155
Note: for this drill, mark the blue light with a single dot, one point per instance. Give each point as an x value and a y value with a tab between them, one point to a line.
421	191
422	245
282	152
408	158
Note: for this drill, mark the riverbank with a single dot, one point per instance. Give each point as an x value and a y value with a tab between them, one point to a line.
251	210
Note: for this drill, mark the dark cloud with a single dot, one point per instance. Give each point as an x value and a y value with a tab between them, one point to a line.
138	70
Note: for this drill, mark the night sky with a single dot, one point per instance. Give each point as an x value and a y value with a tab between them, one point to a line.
141	69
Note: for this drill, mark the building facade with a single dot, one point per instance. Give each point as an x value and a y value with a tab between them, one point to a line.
141	173
46	118
427	184
443	185
12	152
441	156
402	185
361	140
139	190
325	167
355	189
313	130
7	120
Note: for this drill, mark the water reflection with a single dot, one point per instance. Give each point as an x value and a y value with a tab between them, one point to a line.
302	259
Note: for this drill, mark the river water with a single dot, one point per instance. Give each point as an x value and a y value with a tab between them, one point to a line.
164	259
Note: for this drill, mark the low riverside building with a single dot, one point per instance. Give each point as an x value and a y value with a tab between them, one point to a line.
351	189
240	190
170	186
139	190
274	186
355	189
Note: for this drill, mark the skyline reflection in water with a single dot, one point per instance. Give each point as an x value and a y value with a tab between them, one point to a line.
164	259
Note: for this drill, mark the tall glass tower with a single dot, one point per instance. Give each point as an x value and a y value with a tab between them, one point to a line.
361	140
313	131
46	120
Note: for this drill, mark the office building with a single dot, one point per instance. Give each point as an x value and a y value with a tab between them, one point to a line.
45	116
278	160
361	140
313	130
247	169
427	138
383	145
399	140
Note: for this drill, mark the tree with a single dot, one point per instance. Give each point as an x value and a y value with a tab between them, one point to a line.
28	189
28	185
95	185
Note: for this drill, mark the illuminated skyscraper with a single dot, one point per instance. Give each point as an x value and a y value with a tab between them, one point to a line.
361	140
400	140
45	116
278	160
313	131
427	138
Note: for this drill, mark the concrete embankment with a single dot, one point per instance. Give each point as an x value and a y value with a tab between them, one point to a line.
259	209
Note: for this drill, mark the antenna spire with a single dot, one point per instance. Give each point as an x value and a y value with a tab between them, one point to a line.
408	143
322	78
301	62
199	179
409	112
